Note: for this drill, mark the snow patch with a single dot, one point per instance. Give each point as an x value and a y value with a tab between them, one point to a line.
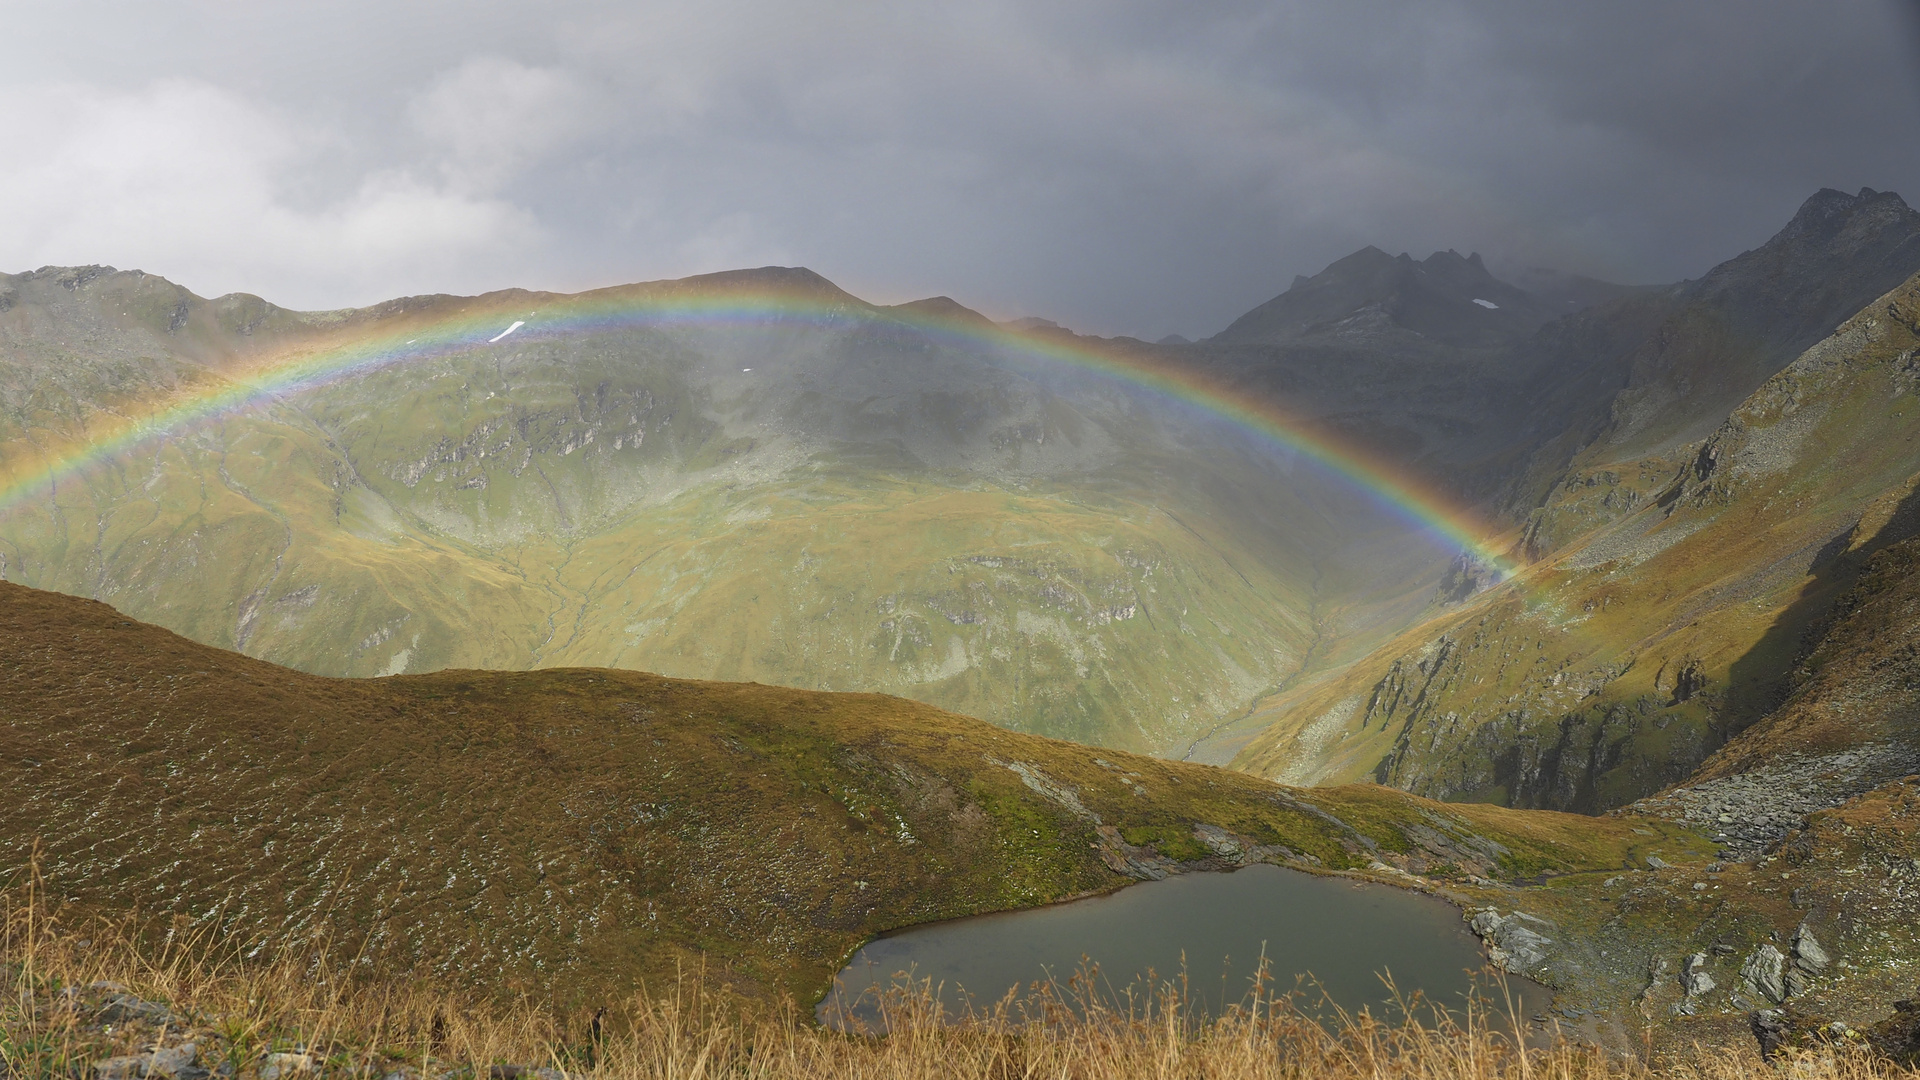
517	324
1488	304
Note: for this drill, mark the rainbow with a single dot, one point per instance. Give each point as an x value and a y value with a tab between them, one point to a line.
770	296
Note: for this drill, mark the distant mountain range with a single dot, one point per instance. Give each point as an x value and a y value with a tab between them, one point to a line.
757	476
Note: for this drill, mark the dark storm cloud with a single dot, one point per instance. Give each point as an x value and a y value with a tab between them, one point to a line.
1124	167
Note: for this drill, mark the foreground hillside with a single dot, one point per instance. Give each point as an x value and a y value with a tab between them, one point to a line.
576	832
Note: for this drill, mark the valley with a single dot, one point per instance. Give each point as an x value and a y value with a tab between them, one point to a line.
814	493
553	644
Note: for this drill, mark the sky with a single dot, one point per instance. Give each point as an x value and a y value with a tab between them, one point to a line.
1120	166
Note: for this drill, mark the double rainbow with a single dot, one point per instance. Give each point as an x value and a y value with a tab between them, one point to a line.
393	335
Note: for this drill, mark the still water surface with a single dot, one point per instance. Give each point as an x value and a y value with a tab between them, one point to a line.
1343	934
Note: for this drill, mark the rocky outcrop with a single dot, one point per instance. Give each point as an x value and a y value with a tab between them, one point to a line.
1764	973
1514	942
1694	980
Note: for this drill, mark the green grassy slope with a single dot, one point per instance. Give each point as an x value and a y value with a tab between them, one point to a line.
1617	666
574	832
865	509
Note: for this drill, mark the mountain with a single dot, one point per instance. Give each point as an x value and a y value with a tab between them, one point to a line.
1417	364
1641	378
575	833
1620	663
1707	492
1376	297
747	476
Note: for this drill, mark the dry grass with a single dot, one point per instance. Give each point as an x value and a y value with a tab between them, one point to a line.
61	983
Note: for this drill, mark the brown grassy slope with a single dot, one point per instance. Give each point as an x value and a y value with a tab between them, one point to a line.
579	831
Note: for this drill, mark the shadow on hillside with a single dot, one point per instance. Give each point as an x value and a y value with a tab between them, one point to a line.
1761	681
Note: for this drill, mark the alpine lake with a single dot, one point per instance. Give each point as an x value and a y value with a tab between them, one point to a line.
1337	944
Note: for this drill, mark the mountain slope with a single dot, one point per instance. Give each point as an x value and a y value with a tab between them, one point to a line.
1413	361
779	482
1627	388
1617	667
575	832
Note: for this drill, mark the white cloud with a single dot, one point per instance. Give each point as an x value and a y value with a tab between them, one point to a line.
194	182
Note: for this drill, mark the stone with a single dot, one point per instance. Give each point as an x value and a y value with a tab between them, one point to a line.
1657	862
1218	841
276	1066
1769	1030
125	1008
118	1068
1764	972
174	1063
1657	969
1511	943
1808	956
1694	980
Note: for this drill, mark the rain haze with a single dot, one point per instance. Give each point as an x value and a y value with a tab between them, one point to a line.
1122	167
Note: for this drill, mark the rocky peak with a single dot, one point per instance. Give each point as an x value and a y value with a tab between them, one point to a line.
1751	315
1827	213
1838	251
1446	297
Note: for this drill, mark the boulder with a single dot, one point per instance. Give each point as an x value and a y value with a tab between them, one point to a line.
1694	980
1512	944
1765	972
125	1008
276	1066
1808	956
1770	1031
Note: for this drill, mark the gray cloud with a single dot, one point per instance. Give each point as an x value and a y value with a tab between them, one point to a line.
1125	167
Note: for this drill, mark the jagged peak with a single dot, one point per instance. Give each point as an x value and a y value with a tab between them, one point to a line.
1445	295
1828	210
